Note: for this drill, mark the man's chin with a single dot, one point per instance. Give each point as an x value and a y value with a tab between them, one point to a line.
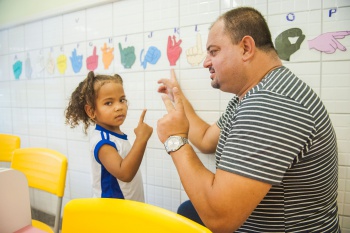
215	85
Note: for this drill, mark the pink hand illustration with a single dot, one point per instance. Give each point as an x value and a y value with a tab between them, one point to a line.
173	50
107	55
195	54
92	61
328	42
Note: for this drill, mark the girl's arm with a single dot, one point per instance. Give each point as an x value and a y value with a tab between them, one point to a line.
125	169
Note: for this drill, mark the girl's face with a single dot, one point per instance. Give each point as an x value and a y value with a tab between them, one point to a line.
111	106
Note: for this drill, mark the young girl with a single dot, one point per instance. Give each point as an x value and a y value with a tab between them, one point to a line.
100	100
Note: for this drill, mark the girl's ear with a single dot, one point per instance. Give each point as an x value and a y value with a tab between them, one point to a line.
89	111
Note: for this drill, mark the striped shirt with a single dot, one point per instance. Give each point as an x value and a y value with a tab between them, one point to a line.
280	133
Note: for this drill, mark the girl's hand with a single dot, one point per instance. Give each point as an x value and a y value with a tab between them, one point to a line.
143	131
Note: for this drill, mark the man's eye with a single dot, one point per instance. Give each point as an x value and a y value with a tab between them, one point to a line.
212	52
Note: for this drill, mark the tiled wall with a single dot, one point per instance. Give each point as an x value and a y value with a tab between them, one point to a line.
32	102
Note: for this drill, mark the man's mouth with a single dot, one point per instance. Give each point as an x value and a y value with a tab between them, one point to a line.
212	72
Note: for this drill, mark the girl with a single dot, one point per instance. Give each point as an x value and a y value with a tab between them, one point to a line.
100	100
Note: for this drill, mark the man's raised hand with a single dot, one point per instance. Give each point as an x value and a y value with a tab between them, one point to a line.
175	122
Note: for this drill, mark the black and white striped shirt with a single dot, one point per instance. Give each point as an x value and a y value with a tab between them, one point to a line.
280	133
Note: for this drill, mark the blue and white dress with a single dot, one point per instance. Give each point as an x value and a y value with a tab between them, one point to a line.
105	184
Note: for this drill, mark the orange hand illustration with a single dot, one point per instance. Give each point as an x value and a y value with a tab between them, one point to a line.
195	54
107	55
174	50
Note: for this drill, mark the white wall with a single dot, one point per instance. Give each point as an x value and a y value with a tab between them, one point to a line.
32	106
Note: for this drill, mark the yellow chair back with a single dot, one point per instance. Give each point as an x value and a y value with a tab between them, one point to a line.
109	215
45	170
8	143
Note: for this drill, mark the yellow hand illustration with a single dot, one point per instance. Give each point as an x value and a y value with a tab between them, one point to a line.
107	55
62	63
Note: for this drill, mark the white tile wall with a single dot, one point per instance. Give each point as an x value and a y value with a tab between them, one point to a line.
33	106
126	23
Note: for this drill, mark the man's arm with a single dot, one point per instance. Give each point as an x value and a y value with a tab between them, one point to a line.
223	200
202	135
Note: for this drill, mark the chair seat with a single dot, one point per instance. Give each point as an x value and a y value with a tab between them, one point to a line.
42	226
110	215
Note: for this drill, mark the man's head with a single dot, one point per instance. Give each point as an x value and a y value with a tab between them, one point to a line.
240	51
246	21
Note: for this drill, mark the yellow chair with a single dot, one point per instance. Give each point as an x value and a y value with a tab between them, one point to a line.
45	170
8	143
110	215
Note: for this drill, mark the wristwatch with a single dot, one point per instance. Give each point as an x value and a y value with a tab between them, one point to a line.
173	143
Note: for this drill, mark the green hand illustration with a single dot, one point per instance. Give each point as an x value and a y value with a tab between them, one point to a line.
127	56
284	47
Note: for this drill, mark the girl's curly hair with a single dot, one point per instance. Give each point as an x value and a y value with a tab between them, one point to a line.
86	94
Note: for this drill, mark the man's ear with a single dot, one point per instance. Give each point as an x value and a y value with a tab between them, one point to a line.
249	48
89	111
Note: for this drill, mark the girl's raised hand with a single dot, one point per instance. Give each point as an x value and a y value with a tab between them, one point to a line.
143	130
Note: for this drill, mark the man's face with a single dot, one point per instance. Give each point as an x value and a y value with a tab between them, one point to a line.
223	60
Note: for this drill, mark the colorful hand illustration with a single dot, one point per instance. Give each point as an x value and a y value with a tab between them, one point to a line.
39	64
152	56
283	45
50	64
127	56
76	61
17	69
173	50
107	55
195	54
28	69
328	42
62	63
92	61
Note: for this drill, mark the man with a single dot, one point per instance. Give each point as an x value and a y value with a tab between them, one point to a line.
275	146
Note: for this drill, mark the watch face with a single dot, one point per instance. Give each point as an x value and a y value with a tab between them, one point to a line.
173	144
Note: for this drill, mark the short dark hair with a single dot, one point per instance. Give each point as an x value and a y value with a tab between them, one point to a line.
247	21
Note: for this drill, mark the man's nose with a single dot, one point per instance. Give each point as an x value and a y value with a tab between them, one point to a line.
206	62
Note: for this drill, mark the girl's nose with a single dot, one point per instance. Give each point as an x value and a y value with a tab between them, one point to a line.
118	106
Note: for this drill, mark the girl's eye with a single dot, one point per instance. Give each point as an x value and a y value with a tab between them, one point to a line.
108	103
124	101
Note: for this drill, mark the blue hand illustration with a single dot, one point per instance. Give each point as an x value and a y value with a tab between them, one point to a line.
152	56
77	61
17	69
